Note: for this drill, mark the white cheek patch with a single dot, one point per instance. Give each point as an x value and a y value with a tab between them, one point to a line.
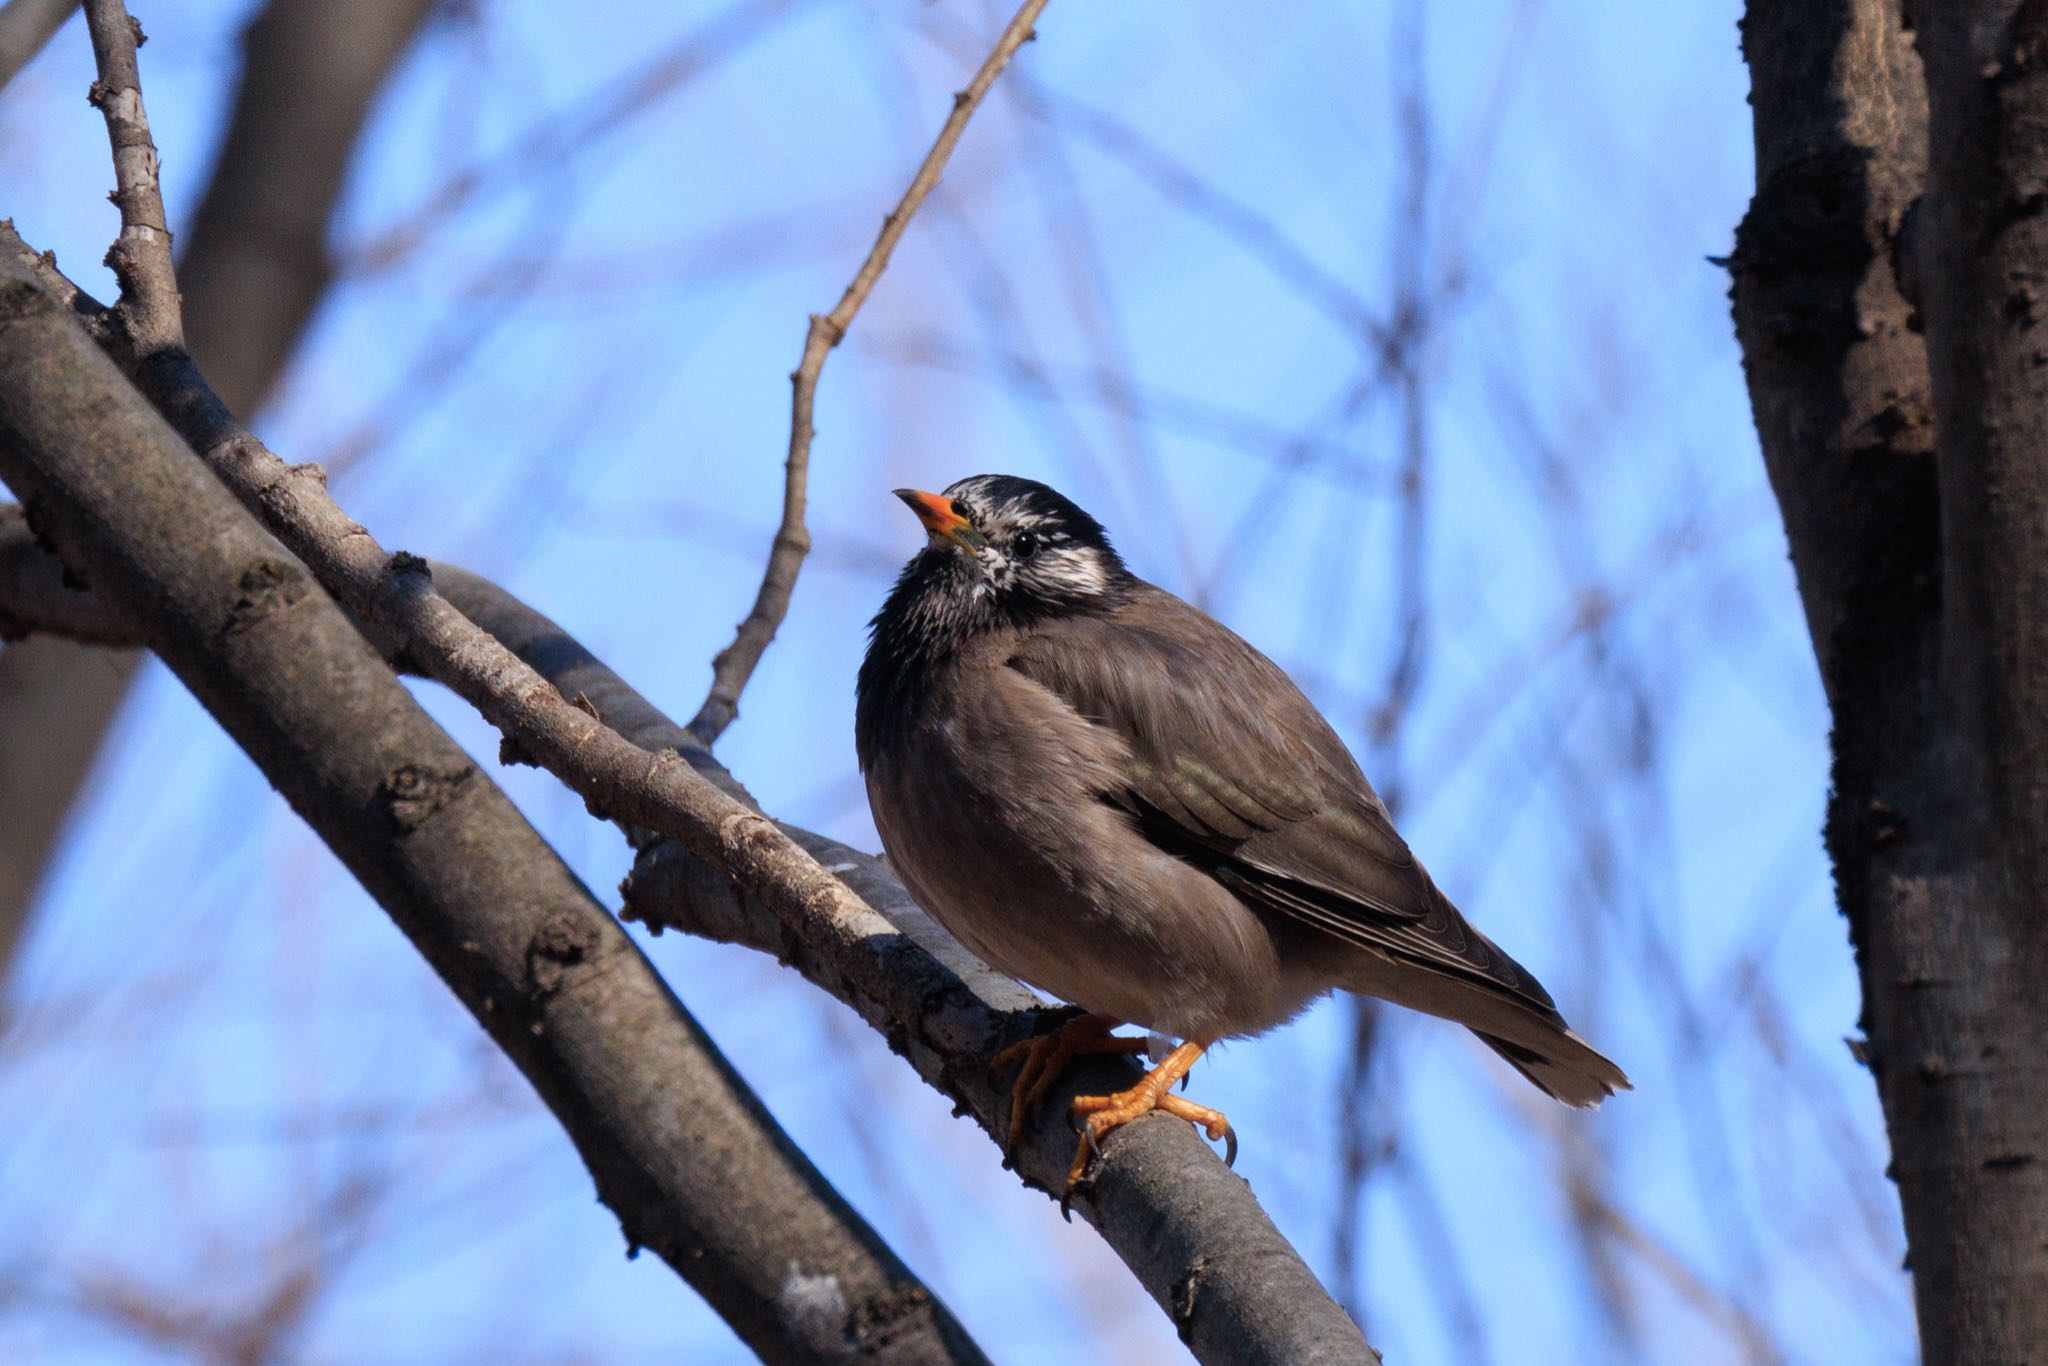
1076	573
996	571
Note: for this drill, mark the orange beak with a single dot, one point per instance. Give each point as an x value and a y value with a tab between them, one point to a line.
941	519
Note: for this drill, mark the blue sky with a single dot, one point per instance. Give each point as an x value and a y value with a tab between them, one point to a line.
1146	280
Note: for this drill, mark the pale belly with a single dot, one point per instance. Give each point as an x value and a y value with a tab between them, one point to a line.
1090	913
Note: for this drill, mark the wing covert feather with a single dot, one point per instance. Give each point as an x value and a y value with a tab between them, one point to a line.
1235	770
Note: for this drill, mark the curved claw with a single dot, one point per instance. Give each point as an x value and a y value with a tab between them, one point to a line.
1044	1058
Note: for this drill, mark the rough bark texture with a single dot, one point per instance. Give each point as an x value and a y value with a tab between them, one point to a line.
1923	566
1192	1232
1188	1228
1235	1290
678	1147
254	266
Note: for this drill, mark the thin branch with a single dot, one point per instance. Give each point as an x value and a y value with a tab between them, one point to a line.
546	145
141	255
35	596
680	1149
1190	1230
734	665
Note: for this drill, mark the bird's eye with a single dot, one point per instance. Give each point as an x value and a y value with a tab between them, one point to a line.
1024	542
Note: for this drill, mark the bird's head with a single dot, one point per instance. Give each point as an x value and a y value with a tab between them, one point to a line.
1002	548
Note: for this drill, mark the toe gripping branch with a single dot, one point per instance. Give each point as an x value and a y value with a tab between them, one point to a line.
1045	1058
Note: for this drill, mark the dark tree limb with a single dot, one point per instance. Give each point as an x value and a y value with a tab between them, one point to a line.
735	664
1186	1226
1914	488
1968	1080
680	1150
254	266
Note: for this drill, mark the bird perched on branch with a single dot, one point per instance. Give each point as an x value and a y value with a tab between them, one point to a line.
1108	795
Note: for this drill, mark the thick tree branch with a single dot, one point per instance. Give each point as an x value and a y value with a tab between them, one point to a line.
1186	1226
254	267
680	1150
1983	268
1837	372
734	665
1974	1098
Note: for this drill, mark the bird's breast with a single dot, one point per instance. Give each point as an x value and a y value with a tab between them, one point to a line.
990	805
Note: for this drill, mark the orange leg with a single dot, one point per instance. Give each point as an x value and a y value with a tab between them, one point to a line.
1047	1056
1108	1113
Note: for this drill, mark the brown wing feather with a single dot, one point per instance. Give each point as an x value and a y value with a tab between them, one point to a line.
1235	770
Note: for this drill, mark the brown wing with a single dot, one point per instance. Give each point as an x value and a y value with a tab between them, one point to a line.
1234	770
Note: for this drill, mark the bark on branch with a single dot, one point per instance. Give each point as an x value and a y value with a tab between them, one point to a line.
1187	1227
141	255
734	665
679	1148
1913	477
254	266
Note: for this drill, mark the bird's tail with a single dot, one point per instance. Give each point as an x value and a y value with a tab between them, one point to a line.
1536	1042
1561	1064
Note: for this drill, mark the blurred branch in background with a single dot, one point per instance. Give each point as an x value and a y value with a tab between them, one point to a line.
257	260
1235	1289
734	665
564	293
544	146
686	1157
254	269
26	26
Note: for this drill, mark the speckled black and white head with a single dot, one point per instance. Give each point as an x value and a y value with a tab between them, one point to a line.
1011	547
1000	552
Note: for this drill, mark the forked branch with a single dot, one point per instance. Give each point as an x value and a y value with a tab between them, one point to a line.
735	664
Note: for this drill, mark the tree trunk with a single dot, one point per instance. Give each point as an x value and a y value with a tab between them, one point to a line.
1899	379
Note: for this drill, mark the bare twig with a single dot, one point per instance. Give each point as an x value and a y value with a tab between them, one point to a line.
252	268
679	1147
141	255
1190	1230
34	596
734	665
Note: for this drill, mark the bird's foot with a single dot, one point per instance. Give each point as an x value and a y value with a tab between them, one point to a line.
1101	1115
1044	1058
